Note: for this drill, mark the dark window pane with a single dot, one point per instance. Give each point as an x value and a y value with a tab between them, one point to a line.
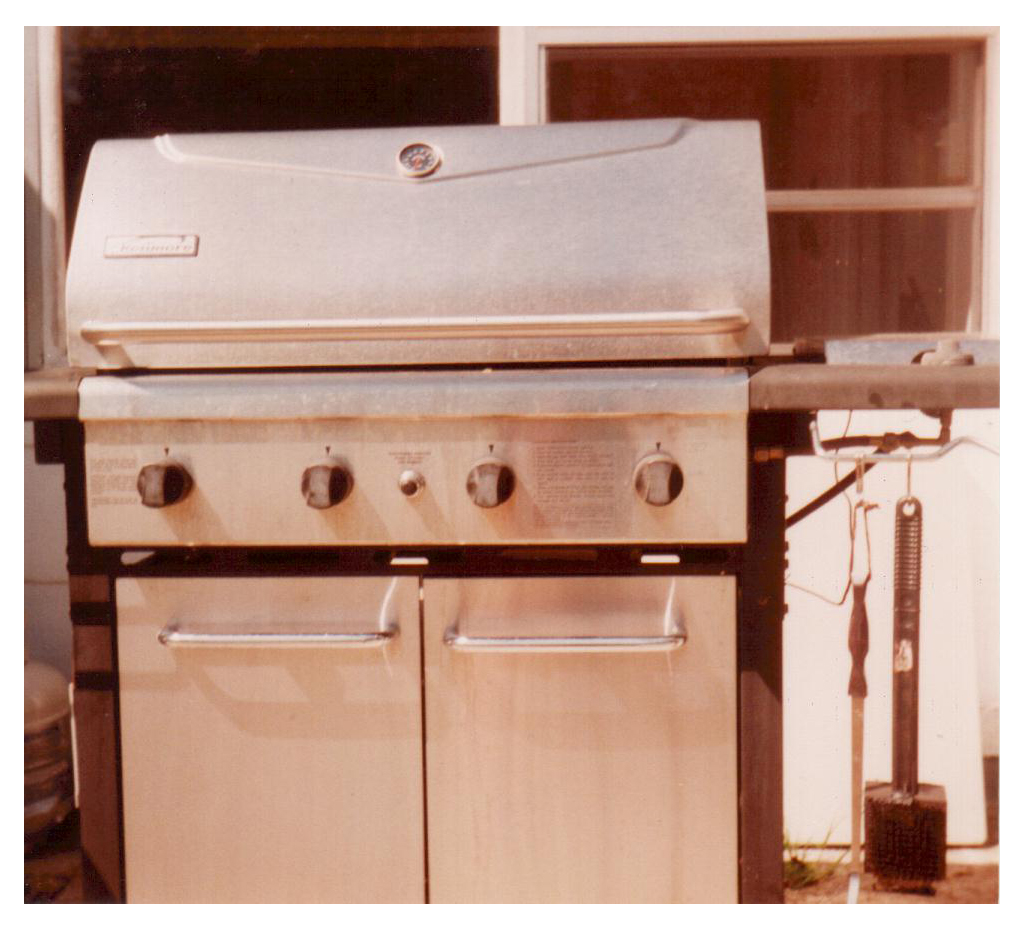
143	81
861	273
835	117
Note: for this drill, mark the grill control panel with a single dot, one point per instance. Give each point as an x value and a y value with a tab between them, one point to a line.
636	479
615	456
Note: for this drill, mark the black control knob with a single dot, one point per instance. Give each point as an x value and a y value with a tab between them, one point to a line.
163	484
327	484
490	483
658	479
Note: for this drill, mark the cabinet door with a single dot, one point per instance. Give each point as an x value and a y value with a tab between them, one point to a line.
272	741
577	750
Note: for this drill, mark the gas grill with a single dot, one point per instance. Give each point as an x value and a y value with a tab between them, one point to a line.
417	498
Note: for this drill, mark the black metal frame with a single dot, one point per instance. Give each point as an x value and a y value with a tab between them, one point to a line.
772	437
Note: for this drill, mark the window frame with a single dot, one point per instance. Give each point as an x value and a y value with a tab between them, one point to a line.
522	71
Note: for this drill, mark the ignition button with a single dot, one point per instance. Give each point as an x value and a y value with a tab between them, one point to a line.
411	483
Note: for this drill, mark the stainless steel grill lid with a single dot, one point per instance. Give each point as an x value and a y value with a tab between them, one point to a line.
584	241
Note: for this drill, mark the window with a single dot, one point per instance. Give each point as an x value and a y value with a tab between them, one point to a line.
881	207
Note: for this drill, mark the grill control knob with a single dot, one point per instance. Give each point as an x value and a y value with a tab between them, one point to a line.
658	479
327	484
163	484
490	483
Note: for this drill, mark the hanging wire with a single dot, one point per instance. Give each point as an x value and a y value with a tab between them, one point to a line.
852	531
853	509
862	463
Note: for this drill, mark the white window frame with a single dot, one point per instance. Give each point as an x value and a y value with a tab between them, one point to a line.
523	97
45	250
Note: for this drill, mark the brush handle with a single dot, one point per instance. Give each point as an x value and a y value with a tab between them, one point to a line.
908	550
858	641
858	645
857	727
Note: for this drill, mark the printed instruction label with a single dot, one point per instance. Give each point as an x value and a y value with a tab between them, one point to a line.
576	485
112	481
409	458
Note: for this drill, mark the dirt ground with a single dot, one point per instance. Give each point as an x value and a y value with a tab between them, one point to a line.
57	878
53	874
963	884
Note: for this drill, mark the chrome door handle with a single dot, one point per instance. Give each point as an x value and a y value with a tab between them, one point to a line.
105	334
173	637
578	644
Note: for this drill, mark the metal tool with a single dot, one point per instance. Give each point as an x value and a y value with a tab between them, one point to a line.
908	537
858	646
906	821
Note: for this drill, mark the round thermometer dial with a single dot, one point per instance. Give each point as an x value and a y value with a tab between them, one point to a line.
418	159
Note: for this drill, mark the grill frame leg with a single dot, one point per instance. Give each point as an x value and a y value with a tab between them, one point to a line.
760	695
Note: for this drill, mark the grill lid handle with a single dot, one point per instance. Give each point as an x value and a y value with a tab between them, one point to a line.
106	334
